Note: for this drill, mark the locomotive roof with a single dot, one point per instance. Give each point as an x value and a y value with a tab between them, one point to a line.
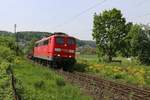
59	33
54	34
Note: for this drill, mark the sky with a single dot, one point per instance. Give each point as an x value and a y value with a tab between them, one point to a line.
70	16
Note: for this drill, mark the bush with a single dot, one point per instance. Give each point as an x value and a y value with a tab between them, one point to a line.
6	91
7	54
81	66
39	84
60	82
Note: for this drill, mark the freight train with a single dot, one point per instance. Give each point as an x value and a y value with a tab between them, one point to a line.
57	50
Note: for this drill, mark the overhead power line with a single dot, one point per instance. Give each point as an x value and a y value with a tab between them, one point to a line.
141	2
79	14
147	14
142	16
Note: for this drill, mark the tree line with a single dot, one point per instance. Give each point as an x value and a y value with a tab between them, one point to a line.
115	36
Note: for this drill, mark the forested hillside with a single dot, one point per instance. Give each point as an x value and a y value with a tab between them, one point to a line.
26	40
5	33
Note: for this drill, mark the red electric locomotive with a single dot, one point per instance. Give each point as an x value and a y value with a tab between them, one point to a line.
58	50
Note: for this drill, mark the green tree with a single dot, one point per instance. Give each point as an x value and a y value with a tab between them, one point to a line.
133	39
9	41
144	46
109	31
139	42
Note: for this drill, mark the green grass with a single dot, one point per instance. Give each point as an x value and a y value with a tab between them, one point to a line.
6	90
35	82
88	58
130	72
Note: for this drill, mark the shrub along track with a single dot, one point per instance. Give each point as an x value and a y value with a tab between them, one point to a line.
103	89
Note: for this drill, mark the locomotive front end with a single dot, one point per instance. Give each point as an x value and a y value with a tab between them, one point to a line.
64	50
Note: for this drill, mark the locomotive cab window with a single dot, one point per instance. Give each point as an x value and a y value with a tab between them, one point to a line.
71	41
59	40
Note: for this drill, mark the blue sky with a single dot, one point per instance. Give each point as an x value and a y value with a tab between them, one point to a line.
56	15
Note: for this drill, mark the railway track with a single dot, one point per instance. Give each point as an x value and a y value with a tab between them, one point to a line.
102	89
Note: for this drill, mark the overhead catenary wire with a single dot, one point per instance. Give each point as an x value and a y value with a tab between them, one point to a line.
141	2
142	16
146	14
79	14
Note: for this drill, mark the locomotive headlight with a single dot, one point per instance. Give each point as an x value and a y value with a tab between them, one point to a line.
58	49
71	51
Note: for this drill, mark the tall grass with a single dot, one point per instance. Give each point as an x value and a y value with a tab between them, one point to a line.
40	83
130	72
6	90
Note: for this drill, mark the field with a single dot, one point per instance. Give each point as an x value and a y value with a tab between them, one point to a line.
127	72
36	82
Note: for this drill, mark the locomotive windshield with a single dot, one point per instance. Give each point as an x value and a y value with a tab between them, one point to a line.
71	41
60	40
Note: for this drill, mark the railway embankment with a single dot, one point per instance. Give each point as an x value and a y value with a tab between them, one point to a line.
36	82
102	89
